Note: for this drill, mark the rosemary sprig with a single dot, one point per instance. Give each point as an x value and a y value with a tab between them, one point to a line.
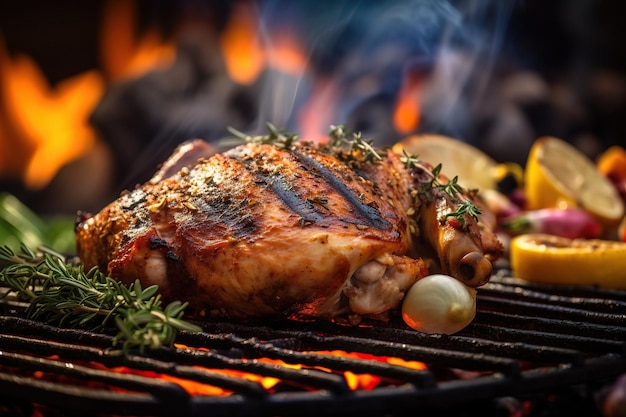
276	136
62	293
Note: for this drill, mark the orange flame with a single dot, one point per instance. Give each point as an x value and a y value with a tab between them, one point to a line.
240	45
245	54
52	120
286	53
124	56
406	115
367	381
44	127
353	380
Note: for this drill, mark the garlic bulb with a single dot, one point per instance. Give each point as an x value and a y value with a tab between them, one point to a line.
439	304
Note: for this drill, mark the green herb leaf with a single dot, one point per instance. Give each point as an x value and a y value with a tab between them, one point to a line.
351	146
465	208
276	136
428	189
62	293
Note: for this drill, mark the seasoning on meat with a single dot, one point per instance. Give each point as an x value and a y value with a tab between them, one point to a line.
295	230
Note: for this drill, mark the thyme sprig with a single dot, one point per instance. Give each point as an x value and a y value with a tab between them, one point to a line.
63	293
452	188
351	145
411	161
276	136
463	209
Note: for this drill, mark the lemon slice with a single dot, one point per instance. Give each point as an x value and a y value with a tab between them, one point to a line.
559	175
556	260
474	168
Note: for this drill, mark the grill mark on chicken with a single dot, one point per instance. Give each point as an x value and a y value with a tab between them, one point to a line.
302	208
223	206
223	234
271	176
368	212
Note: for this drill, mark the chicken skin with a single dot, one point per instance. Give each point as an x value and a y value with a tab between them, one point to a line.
296	230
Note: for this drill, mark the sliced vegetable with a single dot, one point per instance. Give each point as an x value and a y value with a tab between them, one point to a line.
560	175
571	223
518	197
439	304
612	162
552	259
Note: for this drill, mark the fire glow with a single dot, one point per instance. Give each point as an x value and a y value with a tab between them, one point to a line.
50	123
44	127
47	126
355	381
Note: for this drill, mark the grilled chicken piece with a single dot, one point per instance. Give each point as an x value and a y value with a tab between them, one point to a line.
299	230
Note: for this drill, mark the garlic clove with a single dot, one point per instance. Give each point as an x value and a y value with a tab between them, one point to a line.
439	304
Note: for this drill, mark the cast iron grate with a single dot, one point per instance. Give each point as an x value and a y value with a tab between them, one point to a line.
527	342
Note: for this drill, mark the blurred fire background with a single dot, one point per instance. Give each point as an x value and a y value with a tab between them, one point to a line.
95	94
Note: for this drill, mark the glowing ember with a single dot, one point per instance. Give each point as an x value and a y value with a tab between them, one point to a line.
367	381
353	380
192	387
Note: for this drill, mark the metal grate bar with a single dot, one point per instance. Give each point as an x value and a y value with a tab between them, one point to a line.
312	378
504	277
301	377
575	328
549	311
440	357
84	374
115	358
595	303
585	344
525	340
72	397
284	335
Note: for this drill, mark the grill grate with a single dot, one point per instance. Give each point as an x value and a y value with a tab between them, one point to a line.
528	341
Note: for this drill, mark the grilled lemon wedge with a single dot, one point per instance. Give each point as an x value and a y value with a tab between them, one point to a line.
556	260
559	175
